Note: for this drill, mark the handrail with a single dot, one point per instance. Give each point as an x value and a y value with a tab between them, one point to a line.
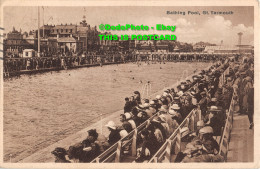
190	121
224	143
126	141
175	138
132	136
116	146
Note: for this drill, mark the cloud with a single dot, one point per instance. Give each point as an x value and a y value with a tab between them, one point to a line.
181	22
211	29
215	29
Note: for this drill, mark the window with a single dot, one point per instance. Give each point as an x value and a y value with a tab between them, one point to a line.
26	53
61	30
66	30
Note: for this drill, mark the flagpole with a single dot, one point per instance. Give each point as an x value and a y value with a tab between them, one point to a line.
39	32
43	21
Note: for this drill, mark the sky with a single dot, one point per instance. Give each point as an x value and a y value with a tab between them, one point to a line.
189	28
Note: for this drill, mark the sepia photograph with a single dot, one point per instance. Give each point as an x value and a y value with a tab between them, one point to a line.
127	83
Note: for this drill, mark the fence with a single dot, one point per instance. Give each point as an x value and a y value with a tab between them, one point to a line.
164	153
113	154
175	139
223	150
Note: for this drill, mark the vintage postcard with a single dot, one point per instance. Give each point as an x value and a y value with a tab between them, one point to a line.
129	84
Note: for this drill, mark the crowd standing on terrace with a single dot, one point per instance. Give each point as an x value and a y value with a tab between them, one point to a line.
165	112
66	62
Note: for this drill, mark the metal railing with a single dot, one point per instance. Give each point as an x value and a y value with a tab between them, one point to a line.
224	142
175	139
113	154
164	153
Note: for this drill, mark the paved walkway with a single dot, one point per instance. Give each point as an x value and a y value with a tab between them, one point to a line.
241	146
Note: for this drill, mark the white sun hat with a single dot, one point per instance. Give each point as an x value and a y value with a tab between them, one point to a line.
175	107
128	116
111	125
158	97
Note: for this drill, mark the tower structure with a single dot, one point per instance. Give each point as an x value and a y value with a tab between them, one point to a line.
239	38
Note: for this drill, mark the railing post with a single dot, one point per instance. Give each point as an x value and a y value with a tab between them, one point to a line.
187	123
199	113
118	151
156	159
168	151
97	159
178	141
134	143
192	123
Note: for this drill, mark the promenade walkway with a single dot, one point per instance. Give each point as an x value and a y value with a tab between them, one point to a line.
241	146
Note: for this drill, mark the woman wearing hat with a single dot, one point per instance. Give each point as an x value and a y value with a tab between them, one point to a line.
203	150
129	119
116	133
163	121
132	101
175	113
188	106
216	119
194	97
148	148
157	129
137	97
203	103
59	154
128	105
125	124
152	109
163	114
